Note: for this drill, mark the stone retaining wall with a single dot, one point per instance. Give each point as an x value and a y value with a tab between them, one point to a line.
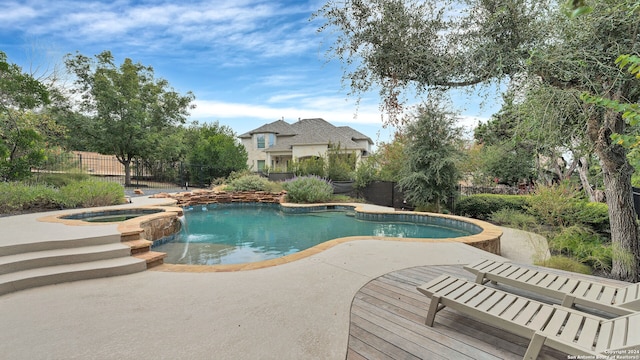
203	197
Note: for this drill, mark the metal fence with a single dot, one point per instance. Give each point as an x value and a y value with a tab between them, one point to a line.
143	173
504	190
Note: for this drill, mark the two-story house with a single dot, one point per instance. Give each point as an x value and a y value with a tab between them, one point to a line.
275	144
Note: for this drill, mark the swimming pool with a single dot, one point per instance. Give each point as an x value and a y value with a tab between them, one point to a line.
234	234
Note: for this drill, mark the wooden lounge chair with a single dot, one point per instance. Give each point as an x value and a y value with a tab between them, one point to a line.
570	291
564	329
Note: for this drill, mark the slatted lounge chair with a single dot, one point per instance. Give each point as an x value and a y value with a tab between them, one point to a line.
564	329
571	291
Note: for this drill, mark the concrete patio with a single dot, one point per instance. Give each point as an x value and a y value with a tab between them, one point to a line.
298	310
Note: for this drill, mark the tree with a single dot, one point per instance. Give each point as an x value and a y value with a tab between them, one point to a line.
407	45
391	157
508	156
21	141
430	174
213	152
128	105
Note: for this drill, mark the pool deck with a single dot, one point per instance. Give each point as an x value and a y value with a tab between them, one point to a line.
298	310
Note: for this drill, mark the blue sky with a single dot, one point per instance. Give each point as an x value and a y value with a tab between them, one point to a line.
248	62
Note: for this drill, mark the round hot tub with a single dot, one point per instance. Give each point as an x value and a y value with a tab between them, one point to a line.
107	216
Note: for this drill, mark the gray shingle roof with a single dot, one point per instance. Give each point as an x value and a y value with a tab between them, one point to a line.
310	131
279	127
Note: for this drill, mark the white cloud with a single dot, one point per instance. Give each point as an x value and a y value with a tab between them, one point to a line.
339	113
256	27
14	13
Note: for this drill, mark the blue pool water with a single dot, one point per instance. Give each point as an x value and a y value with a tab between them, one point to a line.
243	234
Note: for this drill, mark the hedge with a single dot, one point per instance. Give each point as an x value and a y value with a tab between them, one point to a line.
481	206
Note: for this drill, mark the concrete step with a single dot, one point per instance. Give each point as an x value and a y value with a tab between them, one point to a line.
71	272
19	248
152	258
35	259
138	246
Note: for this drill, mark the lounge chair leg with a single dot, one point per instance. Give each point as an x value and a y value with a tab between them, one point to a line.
534	347
480	278
434	307
568	301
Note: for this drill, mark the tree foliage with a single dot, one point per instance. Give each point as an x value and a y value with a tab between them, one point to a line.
213	152
21	128
405	45
129	106
430	174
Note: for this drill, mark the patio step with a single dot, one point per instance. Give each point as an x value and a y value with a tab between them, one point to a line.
152	258
138	246
19	248
49	275
36	259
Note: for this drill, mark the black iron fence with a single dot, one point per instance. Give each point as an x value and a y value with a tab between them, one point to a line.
142	172
503	190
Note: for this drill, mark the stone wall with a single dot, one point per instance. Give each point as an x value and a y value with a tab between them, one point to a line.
161	226
202	197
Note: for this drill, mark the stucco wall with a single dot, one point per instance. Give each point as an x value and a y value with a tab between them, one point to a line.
301	151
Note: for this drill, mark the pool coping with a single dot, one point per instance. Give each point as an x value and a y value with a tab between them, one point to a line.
488	239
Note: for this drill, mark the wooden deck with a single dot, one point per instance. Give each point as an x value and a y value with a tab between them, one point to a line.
387	322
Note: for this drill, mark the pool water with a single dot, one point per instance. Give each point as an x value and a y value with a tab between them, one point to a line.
233	235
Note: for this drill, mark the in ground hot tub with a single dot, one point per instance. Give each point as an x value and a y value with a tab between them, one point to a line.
104	216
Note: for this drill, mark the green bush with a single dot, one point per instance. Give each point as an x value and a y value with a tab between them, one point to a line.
308	189
311	166
18	197
583	245
513	218
366	173
594	214
90	193
481	206
566	264
62	179
556	205
249	183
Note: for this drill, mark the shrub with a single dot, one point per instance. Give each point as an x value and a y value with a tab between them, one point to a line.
341	165
308	189
583	245
17	197
594	214
91	193
513	218
250	183
566	264
311	166
366	173
556	205
481	206
62	179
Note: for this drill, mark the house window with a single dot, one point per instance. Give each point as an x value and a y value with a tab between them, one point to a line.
260	165
272	140
260	139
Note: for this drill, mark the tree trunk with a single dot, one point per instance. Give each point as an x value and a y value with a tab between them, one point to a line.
583	171
127	173
617	180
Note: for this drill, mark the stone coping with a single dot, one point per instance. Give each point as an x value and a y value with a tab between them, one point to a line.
126	227
488	239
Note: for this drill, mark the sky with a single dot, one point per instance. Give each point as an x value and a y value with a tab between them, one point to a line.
248	62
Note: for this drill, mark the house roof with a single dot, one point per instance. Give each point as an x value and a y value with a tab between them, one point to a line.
310	132
279	127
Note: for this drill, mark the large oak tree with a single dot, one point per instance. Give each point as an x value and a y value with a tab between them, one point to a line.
404	45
